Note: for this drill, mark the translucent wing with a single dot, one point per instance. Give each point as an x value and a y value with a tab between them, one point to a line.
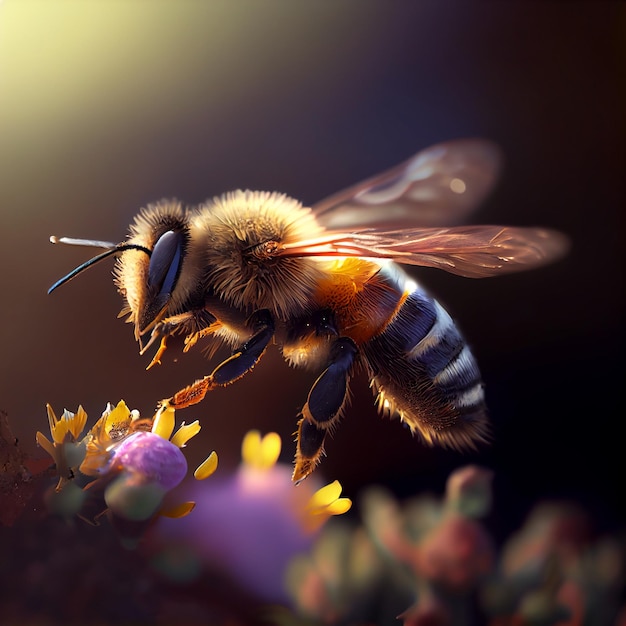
472	251
438	186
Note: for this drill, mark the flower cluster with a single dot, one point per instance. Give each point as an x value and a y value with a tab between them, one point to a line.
437	557
127	463
249	525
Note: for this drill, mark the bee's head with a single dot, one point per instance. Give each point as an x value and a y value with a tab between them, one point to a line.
148	266
148	282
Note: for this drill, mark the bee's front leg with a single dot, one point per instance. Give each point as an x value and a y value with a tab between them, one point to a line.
243	359
196	322
323	406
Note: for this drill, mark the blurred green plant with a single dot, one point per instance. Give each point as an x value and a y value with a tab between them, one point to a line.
437	557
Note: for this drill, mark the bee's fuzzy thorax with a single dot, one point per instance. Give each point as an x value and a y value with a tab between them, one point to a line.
236	222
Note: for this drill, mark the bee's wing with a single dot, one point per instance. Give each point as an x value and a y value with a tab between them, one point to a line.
472	251
438	186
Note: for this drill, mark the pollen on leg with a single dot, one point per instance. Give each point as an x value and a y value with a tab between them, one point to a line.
309	449
192	394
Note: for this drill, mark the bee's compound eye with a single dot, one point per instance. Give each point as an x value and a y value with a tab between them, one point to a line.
165	262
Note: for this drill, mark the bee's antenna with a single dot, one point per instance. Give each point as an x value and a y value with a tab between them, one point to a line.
111	248
91	243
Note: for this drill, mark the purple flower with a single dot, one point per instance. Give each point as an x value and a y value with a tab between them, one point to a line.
152	458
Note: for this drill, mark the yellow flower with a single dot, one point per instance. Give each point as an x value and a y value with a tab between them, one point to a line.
69	427
119	422
111	429
65	449
325	503
95	455
260	455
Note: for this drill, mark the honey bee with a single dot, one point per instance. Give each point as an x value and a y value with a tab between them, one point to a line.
325	284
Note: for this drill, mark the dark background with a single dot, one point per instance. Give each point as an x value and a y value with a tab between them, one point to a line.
108	106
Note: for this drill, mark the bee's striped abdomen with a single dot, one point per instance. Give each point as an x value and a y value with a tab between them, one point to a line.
423	370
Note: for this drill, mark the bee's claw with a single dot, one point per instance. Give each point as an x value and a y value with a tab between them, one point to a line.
156	359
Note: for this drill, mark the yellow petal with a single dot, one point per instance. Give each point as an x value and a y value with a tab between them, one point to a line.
185	433
260	452
116	421
52	418
60	431
79	422
46	444
339	507
164	422
118	413
251	447
59	428
324	496
207	467
270	449
180	510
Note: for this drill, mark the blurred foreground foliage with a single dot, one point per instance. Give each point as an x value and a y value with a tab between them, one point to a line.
427	560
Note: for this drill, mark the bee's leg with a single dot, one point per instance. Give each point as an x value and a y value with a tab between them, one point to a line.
247	355
323	406
233	368
309	448
196	321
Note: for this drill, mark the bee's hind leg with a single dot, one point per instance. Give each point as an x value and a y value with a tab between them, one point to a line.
243	359
323	406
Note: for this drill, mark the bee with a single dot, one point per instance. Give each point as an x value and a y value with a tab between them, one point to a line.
326	285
